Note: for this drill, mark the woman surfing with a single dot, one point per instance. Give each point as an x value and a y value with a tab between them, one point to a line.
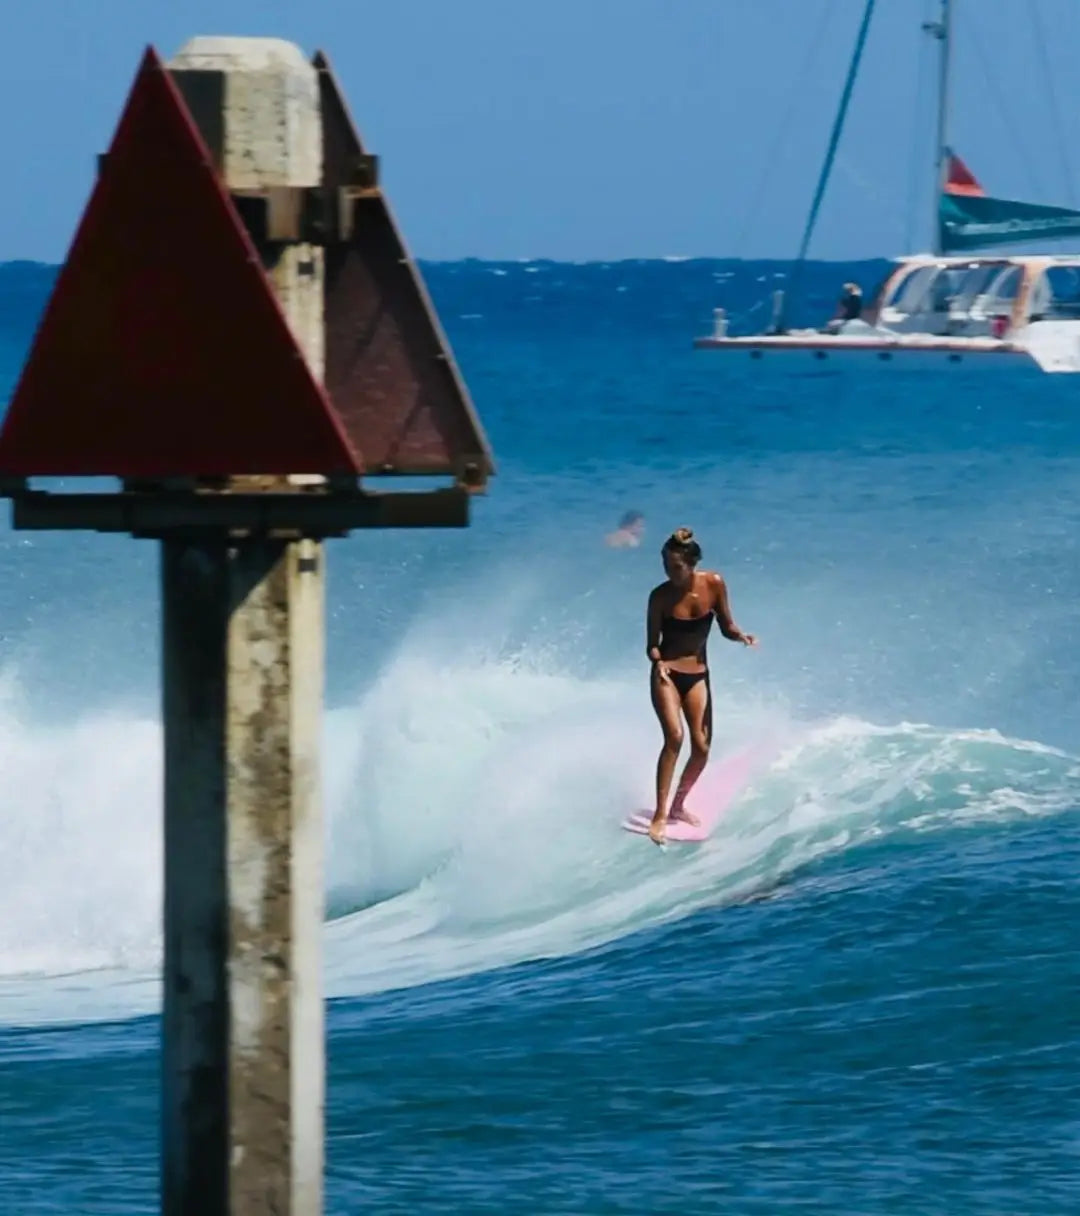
680	615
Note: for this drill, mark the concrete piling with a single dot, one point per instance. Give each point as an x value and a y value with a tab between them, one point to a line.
243	1020
244	647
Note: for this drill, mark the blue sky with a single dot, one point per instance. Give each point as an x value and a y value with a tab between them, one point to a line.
586	129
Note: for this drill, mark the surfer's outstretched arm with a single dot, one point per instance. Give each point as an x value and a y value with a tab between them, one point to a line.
722	609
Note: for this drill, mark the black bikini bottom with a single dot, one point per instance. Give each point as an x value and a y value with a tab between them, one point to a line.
683	682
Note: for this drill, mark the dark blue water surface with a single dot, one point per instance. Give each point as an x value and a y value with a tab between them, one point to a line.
862	994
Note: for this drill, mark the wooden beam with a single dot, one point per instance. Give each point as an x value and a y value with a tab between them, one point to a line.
263	514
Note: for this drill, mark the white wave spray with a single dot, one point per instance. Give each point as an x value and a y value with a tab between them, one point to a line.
472	822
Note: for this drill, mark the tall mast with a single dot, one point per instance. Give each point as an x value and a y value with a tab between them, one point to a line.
942	31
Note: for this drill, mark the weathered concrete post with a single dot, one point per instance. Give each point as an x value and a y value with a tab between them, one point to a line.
238	334
243	1026
243	654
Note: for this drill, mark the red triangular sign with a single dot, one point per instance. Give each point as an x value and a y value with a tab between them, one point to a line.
163	351
390	371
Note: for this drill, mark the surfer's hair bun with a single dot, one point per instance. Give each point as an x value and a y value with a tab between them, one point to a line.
681	544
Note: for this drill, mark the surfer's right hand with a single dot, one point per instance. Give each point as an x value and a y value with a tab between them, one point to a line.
662	673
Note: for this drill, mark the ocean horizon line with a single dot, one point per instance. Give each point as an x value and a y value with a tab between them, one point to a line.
34	264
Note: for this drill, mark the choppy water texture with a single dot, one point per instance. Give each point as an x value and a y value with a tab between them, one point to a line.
859	996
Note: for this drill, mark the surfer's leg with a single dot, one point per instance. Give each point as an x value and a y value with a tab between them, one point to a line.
665	701
697	706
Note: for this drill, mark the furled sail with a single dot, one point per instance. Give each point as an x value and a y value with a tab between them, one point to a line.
969	219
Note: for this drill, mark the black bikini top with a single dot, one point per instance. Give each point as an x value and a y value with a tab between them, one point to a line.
682	637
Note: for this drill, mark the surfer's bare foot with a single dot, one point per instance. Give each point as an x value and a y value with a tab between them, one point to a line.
679	814
656	829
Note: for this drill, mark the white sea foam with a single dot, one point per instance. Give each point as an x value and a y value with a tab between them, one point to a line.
472	822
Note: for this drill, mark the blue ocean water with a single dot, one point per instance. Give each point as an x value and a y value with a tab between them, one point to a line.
859	996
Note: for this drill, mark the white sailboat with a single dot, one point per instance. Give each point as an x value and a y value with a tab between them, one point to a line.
950	307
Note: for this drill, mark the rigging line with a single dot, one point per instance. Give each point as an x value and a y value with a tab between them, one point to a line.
838	127
868	186
827	9
1004	113
830	155
1055	109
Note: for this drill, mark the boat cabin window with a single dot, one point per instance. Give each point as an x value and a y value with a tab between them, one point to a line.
976	281
911	293
940	289
998	292
986	287
946	288
1056	294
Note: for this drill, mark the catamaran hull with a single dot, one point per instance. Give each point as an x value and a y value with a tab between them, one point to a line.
802	355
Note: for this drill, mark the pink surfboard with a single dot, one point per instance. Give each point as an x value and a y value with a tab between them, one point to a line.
713	794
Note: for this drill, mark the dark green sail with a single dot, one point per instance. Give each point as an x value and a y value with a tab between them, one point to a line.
970	221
